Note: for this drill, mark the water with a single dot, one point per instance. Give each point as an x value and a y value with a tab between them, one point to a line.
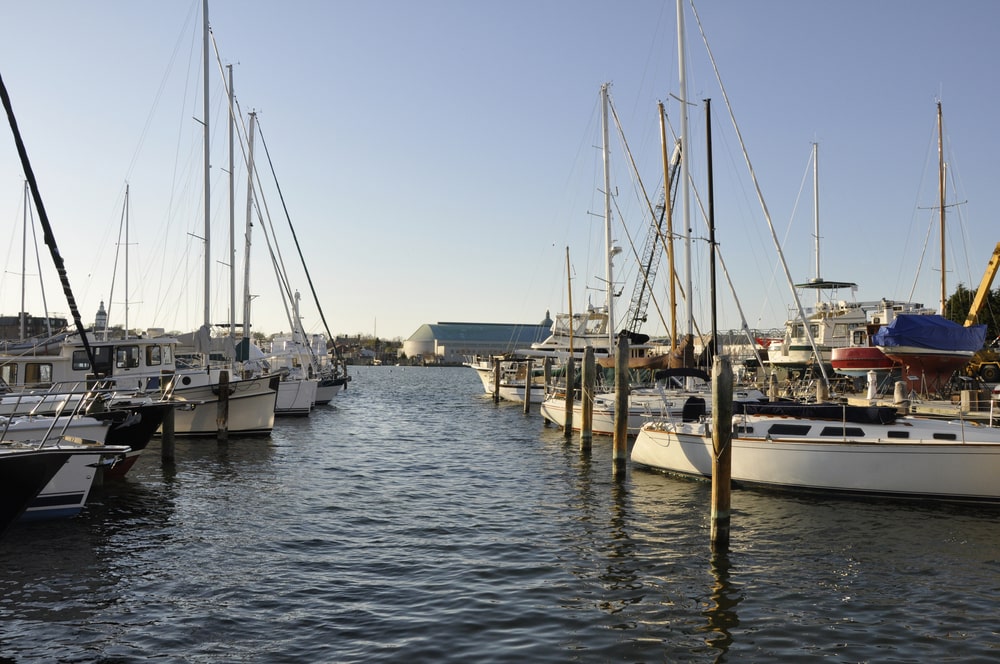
416	521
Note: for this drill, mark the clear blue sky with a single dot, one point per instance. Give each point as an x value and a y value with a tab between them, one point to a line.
438	157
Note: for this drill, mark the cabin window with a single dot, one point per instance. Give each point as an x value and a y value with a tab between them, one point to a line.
945	436
858	338
798	331
80	361
153	356
840	329
814	330
789	430
898	434
126	357
841	432
9	374
37	374
742	429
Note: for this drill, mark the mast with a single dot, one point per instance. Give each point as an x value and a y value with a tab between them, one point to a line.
711	224
686	200
208	177
126	269
249	225
940	123
608	251
819	276
24	269
670	229
232	212
569	297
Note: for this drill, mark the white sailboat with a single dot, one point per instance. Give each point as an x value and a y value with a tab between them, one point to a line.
251	401
835	448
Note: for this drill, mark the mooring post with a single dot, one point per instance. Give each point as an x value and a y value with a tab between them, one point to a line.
587	398
822	391
167	436
722	460
496	380
570	379
527	387
222	419
547	380
772	387
621	404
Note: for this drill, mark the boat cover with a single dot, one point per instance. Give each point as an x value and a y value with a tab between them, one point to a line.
933	332
820	411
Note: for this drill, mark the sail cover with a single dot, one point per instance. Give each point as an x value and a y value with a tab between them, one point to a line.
932	332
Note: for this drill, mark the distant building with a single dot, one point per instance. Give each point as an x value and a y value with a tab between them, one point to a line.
34	326
455	343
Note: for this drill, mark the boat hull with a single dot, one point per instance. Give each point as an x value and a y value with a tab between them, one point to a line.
66	493
859	360
251	409
295	397
24	473
925	370
963	469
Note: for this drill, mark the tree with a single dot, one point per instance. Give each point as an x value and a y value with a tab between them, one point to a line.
960	302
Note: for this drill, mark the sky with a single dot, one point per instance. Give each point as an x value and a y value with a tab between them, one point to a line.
441	160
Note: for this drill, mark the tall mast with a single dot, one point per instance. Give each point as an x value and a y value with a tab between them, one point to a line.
711	222
944	294
24	268
686	200
208	177
249	225
126	269
232	212
816	215
608	253
668	205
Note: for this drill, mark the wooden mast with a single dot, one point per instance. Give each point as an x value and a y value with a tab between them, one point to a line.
672	278
944	293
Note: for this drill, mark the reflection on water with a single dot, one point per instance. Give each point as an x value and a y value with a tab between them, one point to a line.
721	612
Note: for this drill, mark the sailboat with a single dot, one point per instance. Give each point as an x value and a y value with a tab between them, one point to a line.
931	348
250	400
832	447
668	385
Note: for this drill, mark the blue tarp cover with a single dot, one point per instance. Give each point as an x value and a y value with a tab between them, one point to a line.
933	332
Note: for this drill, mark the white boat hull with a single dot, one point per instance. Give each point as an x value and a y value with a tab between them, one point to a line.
251	409
295	396
926	468
66	493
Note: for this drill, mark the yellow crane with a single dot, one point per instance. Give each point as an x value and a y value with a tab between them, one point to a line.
985	363
984	287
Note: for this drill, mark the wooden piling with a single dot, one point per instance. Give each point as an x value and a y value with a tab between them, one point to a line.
722	436
547	380
621	404
528	379
568	414
167	436
496	380
222	419
822	391
587	398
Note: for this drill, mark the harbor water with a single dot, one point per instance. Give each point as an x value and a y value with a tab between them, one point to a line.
414	520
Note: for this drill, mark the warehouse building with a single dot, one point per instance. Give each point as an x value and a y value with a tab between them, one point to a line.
456	343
